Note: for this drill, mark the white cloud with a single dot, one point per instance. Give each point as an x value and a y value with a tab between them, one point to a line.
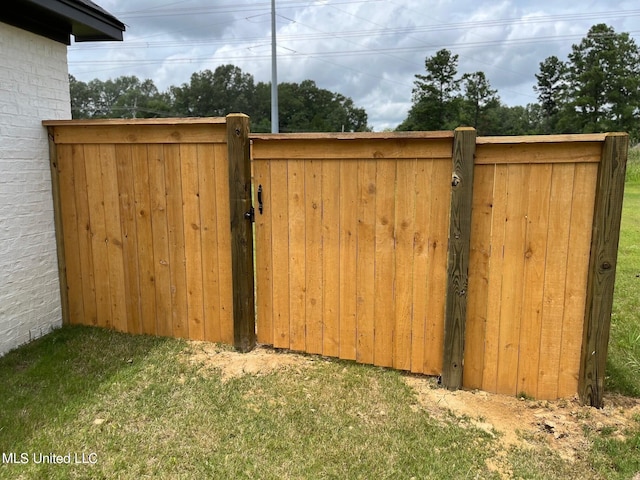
367	50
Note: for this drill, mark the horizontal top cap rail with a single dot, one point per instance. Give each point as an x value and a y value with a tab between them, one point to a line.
136	121
530	149
349	135
566	138
356	145
131	131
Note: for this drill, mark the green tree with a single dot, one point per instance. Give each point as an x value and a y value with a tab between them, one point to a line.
123	97
81	99
305	107
551	90
480	103
215	94
603	83
436	96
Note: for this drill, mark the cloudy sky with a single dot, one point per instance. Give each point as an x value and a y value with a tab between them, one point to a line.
368	50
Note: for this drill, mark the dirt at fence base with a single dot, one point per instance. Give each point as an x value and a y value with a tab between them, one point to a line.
231	364
563	424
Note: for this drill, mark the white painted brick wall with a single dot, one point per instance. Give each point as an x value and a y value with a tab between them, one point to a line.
34	86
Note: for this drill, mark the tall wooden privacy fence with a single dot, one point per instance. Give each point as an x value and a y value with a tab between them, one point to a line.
488	261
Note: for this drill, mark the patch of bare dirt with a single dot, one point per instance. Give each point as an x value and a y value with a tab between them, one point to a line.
231	364
563	424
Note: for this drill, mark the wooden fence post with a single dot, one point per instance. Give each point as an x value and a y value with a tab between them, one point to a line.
57	218
602	268
244	323
464	147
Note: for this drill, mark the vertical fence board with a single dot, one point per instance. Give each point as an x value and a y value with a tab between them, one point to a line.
331	256
385	291
114	237
479	260
555	279
177	259
124	167
297	230
209	236
314	254
576	282
421	262
365	267
512	281
602	268
280	255
159	229
67	221
85	247
535	252
264	253
438	243
348	192
224	247
404	244
492	331
145	238
99	239
192	240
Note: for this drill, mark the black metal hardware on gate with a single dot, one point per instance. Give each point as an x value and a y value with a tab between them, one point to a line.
260	199
250	215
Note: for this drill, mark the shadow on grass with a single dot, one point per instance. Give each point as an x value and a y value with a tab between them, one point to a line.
50	380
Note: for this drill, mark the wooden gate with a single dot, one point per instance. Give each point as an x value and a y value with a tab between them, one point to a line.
351	245
143	214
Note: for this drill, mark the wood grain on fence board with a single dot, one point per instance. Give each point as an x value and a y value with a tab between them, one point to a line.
99	247
177	256
280	195
364	242
464	145
264	252
223	246
314	254
84	244
345	259
67	220
297	253
332	268
479	261
404	258
576	283
535	253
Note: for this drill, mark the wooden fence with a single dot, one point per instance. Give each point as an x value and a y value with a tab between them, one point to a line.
143	212
488	261
432	251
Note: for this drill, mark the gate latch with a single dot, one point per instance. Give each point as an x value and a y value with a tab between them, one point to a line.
250	215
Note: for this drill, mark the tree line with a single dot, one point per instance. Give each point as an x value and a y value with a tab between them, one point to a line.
596	89
303	107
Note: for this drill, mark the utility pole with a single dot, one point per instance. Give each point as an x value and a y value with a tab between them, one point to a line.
275	128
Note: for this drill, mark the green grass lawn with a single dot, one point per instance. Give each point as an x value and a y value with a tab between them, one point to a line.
133	407
623	365
144	413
